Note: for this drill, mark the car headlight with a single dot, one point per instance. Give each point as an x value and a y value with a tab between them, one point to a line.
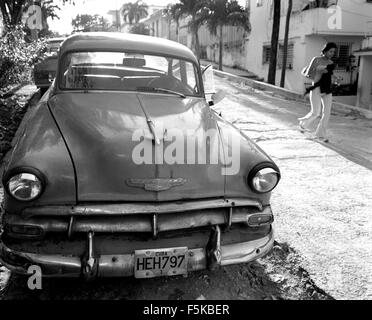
25	186
264	179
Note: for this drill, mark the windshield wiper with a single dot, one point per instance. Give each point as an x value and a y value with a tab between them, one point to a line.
151	89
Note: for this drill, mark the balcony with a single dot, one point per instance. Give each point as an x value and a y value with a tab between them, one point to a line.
327	21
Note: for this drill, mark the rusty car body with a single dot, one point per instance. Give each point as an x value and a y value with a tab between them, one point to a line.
44	72
78	204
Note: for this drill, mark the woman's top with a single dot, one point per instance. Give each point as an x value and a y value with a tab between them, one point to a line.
316	67
325	82
315	72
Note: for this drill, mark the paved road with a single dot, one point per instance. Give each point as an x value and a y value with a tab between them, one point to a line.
323	203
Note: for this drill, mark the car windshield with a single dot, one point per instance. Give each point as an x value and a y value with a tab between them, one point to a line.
129	71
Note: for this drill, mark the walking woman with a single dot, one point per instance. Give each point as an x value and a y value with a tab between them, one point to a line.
320	71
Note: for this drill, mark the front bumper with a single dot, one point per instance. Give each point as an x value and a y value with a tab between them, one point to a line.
117	265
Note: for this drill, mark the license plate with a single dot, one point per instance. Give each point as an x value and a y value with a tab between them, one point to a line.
160	262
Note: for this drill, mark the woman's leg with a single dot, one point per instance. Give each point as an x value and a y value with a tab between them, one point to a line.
321	131
316	106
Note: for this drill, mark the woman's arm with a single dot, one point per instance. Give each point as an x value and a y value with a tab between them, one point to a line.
312	70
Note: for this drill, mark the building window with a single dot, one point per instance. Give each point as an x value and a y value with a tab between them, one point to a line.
342	55
290	53
266	54
290	49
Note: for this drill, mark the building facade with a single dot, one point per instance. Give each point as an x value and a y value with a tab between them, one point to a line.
364	96
313	23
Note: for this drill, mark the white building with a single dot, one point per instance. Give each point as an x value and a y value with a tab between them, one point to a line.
364	97
163	27
312	24
117	22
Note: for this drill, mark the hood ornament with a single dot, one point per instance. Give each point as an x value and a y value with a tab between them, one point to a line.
157	184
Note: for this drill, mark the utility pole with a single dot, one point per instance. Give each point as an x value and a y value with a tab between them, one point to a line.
118	27
285	46
274	42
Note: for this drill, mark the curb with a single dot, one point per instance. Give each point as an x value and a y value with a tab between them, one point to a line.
287	94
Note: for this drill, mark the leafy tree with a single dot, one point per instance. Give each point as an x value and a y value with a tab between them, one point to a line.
195	10
140	28
17	56
285	45
134	12
222	13
12	10
87	22
274	43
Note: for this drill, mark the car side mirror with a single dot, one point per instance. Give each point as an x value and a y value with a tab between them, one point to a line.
206	68
217	97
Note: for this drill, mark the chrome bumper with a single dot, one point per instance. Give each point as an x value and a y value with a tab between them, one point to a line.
123	265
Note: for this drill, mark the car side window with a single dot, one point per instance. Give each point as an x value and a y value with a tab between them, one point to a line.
185	72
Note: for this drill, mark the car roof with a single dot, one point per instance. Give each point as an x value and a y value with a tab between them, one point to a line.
125	41
53	40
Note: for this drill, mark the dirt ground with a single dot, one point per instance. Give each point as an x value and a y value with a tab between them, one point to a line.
274	277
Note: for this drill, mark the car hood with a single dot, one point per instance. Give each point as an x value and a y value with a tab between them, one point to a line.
108	134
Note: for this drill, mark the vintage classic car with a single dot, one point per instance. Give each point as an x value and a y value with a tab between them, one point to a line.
45	71
106	179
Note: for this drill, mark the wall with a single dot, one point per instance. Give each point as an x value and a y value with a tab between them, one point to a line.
234	46
365	83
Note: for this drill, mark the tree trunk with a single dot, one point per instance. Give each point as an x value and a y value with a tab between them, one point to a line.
34	34
274	43
197	45
169	28
285	46
12	12
220	48
177	30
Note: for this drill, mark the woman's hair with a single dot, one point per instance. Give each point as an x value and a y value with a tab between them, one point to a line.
329	46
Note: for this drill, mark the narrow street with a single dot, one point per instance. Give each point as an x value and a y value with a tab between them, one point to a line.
323	203
322	218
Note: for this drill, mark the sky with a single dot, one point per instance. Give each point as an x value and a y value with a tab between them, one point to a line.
68	11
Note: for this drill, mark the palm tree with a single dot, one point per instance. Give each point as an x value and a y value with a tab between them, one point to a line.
274	43
134	12
222	13
285	45
173	12
195	10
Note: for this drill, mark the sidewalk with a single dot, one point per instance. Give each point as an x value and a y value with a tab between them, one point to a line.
276	91
234	71
350	134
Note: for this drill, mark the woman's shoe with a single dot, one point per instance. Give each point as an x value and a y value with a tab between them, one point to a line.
302	128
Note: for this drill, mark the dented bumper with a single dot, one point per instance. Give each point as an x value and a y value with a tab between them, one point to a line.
122	265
